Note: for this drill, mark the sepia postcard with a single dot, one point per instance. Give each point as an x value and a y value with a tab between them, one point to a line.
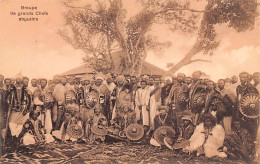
165	39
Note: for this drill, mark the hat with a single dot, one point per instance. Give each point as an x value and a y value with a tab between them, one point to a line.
75	131
99	130
164	131
134	132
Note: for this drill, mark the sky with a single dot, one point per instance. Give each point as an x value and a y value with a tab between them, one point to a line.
36	50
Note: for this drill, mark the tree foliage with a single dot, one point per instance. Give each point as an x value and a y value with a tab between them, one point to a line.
102	29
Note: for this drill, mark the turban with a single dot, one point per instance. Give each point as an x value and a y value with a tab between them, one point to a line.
168	78
108	76
87	77
99	77
120	78
19	75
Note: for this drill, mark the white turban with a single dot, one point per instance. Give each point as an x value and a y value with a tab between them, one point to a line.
168	78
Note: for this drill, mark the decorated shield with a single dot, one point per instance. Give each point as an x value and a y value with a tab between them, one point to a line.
75	131
198	102
249	105
70	97
162	132
99	130
92	99
48	97
180	97
134	132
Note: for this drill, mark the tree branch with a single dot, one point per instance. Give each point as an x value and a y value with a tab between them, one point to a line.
197	60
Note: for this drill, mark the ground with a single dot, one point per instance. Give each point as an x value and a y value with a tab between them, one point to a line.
119	152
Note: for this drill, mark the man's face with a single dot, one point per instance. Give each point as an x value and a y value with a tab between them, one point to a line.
133	80
109	80
180	77
210	85
34	83
13	81
243	78
1	79
98	82
82	83
63	81
97	110
207	123
25	82
43	83
120	83
143	84
186	122
237	125
71	82
151	81
156	81
87	82
256	77
221	84
56	80
195	77
18	80
187	80
168	81
7	82
234	79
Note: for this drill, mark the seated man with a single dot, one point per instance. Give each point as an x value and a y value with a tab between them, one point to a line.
96	126
33	132
162	119
207	138
71	117
238	143
186	129
125	115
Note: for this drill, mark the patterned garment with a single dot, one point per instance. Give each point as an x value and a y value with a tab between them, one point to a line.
33	127
239	144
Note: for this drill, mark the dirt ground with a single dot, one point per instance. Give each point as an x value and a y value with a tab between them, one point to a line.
119	152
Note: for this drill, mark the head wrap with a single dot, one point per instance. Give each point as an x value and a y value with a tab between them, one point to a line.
99	76
120	78
168	78
19	75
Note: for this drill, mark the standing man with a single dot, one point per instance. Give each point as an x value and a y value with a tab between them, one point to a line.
59	96
142	104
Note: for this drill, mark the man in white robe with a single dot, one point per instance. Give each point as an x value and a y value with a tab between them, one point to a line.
142	103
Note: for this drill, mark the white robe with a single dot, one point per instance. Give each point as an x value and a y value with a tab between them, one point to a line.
211	145
142	99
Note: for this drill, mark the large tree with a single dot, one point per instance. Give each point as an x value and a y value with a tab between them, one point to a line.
100	30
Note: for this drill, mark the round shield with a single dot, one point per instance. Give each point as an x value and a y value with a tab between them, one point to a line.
70	96
198	102
249	105
99	130
48	97
180	100
134	132
75	131
91	99
162	132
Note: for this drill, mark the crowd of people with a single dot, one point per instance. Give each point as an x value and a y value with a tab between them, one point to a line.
192	115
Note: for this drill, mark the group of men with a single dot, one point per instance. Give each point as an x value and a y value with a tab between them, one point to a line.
204	117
